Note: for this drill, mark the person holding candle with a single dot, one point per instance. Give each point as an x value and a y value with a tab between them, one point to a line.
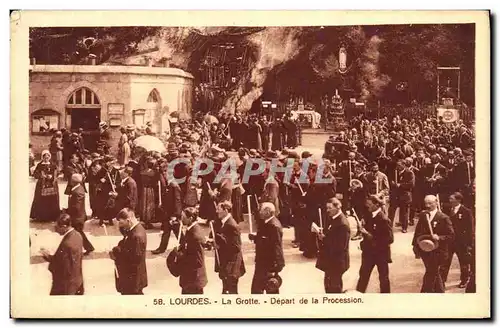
269	259
376	246
333	255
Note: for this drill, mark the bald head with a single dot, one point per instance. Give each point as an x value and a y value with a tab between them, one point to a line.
430	202
267	210
76	179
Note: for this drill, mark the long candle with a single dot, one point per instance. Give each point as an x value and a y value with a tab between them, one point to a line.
349	163
215	243
320	219
159	191
179	235
249	214
300	187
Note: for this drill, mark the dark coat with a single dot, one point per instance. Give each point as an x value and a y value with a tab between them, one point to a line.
269	247
228	240
271	195
66	265
127	195
333	252
193	273
171	200
441	226
463	225
462	175
207	202
71	169
464	141
439	172
225	190
45	207
406	181
277	130
130	261
76	205
377	242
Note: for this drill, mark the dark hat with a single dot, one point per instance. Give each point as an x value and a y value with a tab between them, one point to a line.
95	156
274	283
293	155
186	146
109	158
271	154
306	154
173	262
242	151
467	153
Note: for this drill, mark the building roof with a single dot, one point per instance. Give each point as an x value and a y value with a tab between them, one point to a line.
95	69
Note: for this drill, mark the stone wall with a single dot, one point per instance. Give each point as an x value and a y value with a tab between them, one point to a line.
51	87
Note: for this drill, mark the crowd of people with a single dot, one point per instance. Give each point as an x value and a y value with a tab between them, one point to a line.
376	168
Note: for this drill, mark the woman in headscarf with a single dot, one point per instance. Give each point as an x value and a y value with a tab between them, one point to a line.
45	206
123	148
147	200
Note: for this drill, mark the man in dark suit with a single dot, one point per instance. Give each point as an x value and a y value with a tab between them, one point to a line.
463	225
346	172
127	191
171	205
229	258
401	194
76	209
193	274
66	263
434	176
226	189
130	255
110	184
464	139
269	259
333	255
465	176
376	246
442	232
74	166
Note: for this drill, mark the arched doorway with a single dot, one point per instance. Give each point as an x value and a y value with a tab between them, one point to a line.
84	108
153	110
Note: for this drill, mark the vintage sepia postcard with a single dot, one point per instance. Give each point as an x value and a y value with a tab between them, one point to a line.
250	164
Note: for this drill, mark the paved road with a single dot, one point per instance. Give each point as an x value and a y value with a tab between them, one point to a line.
299	275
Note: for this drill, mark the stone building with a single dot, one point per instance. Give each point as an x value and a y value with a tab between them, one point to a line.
81	96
